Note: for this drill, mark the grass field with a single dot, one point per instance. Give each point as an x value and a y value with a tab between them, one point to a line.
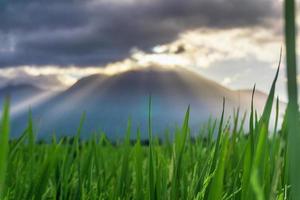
234	164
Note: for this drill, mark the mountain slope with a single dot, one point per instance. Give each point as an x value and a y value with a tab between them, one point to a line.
110	101
23	96
19	92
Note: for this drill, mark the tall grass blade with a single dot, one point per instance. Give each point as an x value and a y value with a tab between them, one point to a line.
4	146
180	143
216	148
265	118
138	167
251	124
152	187
293	115
216	189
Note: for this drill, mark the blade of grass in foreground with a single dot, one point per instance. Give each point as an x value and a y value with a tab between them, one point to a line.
138	167
216	189
31	143
216	148
180	142
215	158
4	146
251	124
123	181
248	157
152	190
292	122
259	163
269	104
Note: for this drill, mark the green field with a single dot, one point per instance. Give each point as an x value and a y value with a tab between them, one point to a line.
233	164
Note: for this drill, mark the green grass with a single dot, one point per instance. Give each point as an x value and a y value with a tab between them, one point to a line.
235	165
292	111
4	147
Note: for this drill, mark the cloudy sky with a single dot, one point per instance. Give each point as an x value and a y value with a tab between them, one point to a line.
54	43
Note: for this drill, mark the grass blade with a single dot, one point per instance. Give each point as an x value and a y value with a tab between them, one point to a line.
4	146
293	115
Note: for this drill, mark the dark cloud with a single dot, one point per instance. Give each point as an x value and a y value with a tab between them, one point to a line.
47	82
92	32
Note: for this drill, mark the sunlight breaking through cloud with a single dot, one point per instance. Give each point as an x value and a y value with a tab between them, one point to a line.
193	49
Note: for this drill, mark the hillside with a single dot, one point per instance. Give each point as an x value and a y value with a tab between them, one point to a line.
109	101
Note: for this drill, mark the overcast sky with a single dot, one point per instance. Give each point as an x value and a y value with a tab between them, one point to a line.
55	42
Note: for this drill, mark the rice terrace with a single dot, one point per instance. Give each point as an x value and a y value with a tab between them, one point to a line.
149	99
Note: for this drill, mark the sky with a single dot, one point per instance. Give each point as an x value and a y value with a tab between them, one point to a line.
54	43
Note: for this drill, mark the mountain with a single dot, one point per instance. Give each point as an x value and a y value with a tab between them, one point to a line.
19	92
23	96
109	101
259	99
